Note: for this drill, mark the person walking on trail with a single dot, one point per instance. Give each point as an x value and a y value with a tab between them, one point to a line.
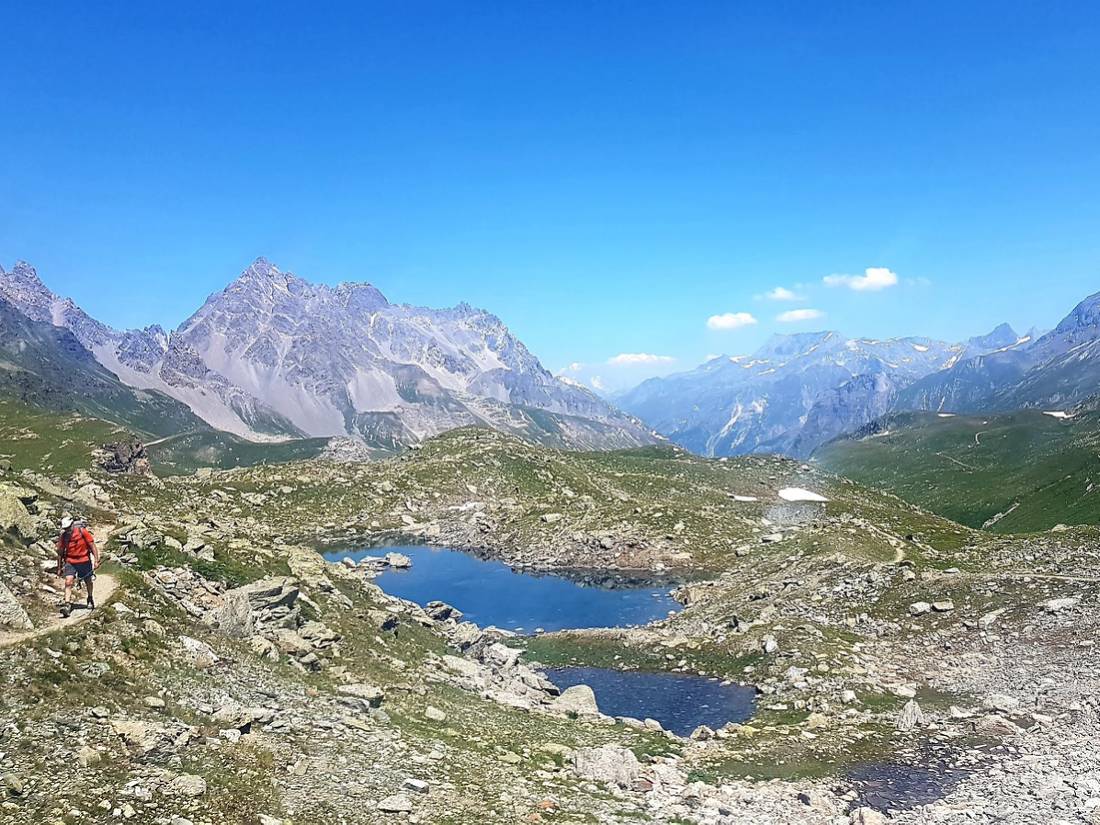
77	558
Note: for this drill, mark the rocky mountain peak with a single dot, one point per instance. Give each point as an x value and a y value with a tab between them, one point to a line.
1003	335
23	271
1085	316
358	296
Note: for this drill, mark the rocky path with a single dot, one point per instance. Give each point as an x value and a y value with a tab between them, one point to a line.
105	587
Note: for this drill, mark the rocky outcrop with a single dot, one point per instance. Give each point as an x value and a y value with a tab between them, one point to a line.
124	457
12	614
14	518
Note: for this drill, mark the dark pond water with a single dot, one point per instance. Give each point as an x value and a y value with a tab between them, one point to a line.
913	777
490	593
680	702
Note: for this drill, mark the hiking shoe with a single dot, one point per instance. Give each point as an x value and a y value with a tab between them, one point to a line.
66	610
91	603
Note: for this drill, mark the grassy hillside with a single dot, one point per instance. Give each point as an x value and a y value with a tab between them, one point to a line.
186	452
46	367
1017	472
60	443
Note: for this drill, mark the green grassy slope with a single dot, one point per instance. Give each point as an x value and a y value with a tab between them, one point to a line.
1032	470
59	443
46	367
187	452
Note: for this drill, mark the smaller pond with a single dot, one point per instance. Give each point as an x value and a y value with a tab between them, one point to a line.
680	702
915	776
491	593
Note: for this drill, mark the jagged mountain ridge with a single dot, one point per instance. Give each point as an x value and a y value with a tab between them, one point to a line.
274	356
1057	369
795	392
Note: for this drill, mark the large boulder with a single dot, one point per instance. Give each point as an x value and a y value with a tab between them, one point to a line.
609	764
12	613
268	602
579	700
14	517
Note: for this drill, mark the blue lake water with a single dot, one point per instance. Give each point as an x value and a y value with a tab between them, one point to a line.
490	593
680	702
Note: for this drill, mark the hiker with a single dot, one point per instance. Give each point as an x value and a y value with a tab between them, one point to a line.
77	558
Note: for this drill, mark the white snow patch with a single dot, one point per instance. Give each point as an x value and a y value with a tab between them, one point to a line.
745	498
1057	414
920	348
945	415
799	494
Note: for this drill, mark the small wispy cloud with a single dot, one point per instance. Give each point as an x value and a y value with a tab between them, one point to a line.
781	293
873	279
730	320
793	316
597	383
633	359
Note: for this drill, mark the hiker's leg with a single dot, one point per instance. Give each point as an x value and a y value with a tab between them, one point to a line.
69	580
88	586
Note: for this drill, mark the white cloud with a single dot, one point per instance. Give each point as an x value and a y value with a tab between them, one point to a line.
631	359
576	366
795	315
730	320
873	279
781	293
597	383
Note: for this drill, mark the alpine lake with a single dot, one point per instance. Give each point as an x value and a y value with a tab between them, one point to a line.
490	593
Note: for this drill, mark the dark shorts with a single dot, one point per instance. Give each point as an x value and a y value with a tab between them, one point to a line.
82	569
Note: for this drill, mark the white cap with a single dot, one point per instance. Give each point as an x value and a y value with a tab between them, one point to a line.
66	522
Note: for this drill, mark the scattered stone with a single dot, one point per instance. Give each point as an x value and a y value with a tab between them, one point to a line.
911	717
1001	703
1060	605
187	784
88	757
396	804
610	764
866	816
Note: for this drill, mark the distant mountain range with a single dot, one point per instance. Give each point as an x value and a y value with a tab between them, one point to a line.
1057	369
273	356
799	391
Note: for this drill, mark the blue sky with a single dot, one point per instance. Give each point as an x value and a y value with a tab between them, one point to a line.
606	177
